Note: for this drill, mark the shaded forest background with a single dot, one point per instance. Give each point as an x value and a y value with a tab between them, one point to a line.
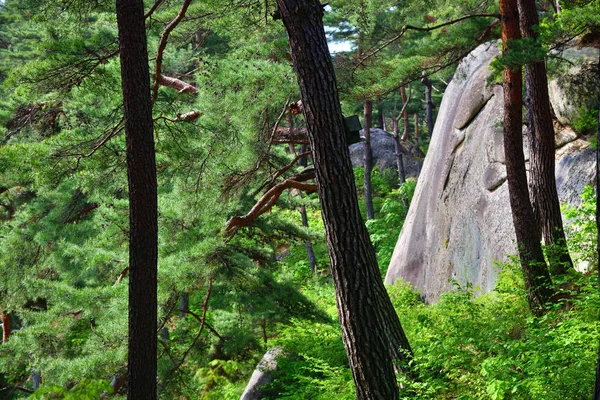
222	85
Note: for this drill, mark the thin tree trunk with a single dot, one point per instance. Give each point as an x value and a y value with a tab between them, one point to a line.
310	253
398	152
416	119
535	273
540	134
428	105
368	161
381	119
6	326
363	304
184	304
405	114
141	174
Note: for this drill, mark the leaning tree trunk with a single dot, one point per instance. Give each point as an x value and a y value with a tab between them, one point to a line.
368	161
141	174
541	151
371	331
535	273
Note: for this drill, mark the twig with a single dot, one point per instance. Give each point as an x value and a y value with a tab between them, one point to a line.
202	324
421	29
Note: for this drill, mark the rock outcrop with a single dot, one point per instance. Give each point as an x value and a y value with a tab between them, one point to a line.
262	375
384	153
460	223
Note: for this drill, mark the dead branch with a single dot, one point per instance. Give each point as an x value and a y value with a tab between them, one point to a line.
245	175
296	107
202	322
162	44
404	105
280	172
269	199
156	4
175	83
122	275
291	135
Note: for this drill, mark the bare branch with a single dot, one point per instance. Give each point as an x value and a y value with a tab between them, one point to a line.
291	135
202	324
156	4
163	44
269	199
175	83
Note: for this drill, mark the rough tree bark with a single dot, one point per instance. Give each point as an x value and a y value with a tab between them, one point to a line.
368	161
535	273
371	331
141	174
540	134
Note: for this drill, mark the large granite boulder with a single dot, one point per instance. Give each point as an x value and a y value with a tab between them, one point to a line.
575	90
384	153
459	222
262	375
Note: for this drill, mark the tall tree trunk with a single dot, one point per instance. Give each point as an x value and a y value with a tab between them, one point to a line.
535	273
368	161
405	114
428	104
141	174
6	326
363	304
541	150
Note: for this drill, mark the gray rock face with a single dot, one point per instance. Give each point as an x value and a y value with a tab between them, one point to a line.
261	374
384	150
459	222
577	88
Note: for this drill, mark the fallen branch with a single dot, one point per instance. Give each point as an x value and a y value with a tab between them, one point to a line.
268	200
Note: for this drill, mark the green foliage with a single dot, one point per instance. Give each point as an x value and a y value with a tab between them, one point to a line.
384	230
581	229
84	390
491	347
586	121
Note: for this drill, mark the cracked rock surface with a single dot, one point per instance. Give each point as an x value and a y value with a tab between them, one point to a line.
460	223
